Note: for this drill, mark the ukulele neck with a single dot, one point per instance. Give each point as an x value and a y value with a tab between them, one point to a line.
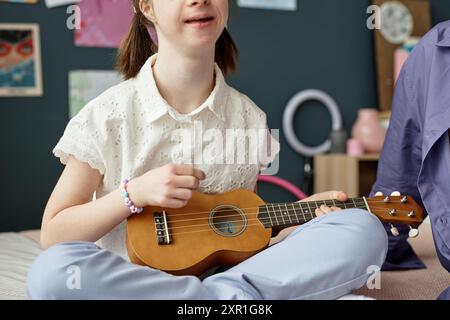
297	213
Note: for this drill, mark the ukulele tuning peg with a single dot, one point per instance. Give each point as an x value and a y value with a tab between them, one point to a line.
387	199
404	199
395	194
394	231
379	194
413	233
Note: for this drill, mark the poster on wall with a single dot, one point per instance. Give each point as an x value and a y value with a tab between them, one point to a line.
21	1
103	23
85	85
20	60
57	3
269	4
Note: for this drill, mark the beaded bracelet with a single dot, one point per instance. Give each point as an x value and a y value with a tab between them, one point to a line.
126	198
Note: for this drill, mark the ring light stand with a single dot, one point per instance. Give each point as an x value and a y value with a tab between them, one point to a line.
291	137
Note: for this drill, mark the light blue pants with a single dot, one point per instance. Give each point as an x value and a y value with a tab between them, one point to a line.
323	259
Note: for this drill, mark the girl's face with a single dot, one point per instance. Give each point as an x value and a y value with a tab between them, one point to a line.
189	24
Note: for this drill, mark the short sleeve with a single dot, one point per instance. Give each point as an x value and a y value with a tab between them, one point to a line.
82	139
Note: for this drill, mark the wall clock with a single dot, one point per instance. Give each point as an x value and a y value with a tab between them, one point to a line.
400	20
396	22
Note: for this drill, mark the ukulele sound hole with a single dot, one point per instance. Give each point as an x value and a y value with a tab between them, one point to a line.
228	221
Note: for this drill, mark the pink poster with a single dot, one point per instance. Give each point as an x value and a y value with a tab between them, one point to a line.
103	22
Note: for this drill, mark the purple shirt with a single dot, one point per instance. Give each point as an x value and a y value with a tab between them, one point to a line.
416	155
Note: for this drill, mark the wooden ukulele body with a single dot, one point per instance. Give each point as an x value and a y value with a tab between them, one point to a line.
197	239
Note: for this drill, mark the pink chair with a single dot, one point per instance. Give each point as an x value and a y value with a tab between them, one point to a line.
284	184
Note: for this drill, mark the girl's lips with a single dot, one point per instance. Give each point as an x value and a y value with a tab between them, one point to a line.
201	24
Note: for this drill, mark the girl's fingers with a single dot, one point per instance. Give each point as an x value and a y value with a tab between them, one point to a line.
188	170
329	195
174	203
319	212
325	209
182	193
341	196
188	182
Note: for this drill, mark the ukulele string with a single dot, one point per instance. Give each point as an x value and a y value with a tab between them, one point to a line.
254	225
306	203
249	212
251	225
276	218
236	221
289	215
280	204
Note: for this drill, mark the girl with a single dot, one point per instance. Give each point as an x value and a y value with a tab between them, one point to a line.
124	133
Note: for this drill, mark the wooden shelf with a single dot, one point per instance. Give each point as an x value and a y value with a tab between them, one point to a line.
352	174
366	157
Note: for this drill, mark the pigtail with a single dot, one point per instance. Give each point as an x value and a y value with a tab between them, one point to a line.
226	53
137	46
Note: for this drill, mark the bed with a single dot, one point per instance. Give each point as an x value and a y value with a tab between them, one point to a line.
18	250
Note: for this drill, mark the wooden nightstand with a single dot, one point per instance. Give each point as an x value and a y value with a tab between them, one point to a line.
352	174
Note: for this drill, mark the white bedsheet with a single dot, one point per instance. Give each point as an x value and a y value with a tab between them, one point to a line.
17	252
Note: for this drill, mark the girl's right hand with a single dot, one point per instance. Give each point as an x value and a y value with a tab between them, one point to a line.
170	186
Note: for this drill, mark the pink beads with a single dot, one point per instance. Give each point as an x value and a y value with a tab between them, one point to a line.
126	198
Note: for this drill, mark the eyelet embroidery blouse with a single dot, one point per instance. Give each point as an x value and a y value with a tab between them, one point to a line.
127	131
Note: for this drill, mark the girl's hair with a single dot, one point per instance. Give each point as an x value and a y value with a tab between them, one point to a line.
138	46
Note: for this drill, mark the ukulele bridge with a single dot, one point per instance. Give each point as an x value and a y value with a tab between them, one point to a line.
161	227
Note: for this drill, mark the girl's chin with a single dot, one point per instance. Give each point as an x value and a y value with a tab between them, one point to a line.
201	42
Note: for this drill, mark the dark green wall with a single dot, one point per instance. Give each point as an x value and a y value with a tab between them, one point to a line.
323	45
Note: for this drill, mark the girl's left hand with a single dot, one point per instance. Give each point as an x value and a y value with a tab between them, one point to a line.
330	195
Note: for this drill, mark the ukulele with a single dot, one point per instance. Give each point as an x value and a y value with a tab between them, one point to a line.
227	228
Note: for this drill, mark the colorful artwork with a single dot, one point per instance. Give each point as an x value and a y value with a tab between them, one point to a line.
103	23
269	4
20	61
21	1
85	85
57	3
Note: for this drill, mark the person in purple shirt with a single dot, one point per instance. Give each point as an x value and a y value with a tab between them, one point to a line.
415	159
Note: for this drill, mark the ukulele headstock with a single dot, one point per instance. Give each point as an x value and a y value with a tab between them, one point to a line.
397	208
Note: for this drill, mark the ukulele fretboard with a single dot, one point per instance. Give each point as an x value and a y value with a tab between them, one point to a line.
286	214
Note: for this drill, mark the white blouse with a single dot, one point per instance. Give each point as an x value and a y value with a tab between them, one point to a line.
129	130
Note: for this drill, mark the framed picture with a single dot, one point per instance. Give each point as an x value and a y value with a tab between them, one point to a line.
20	60
85	85
269	4
21	1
